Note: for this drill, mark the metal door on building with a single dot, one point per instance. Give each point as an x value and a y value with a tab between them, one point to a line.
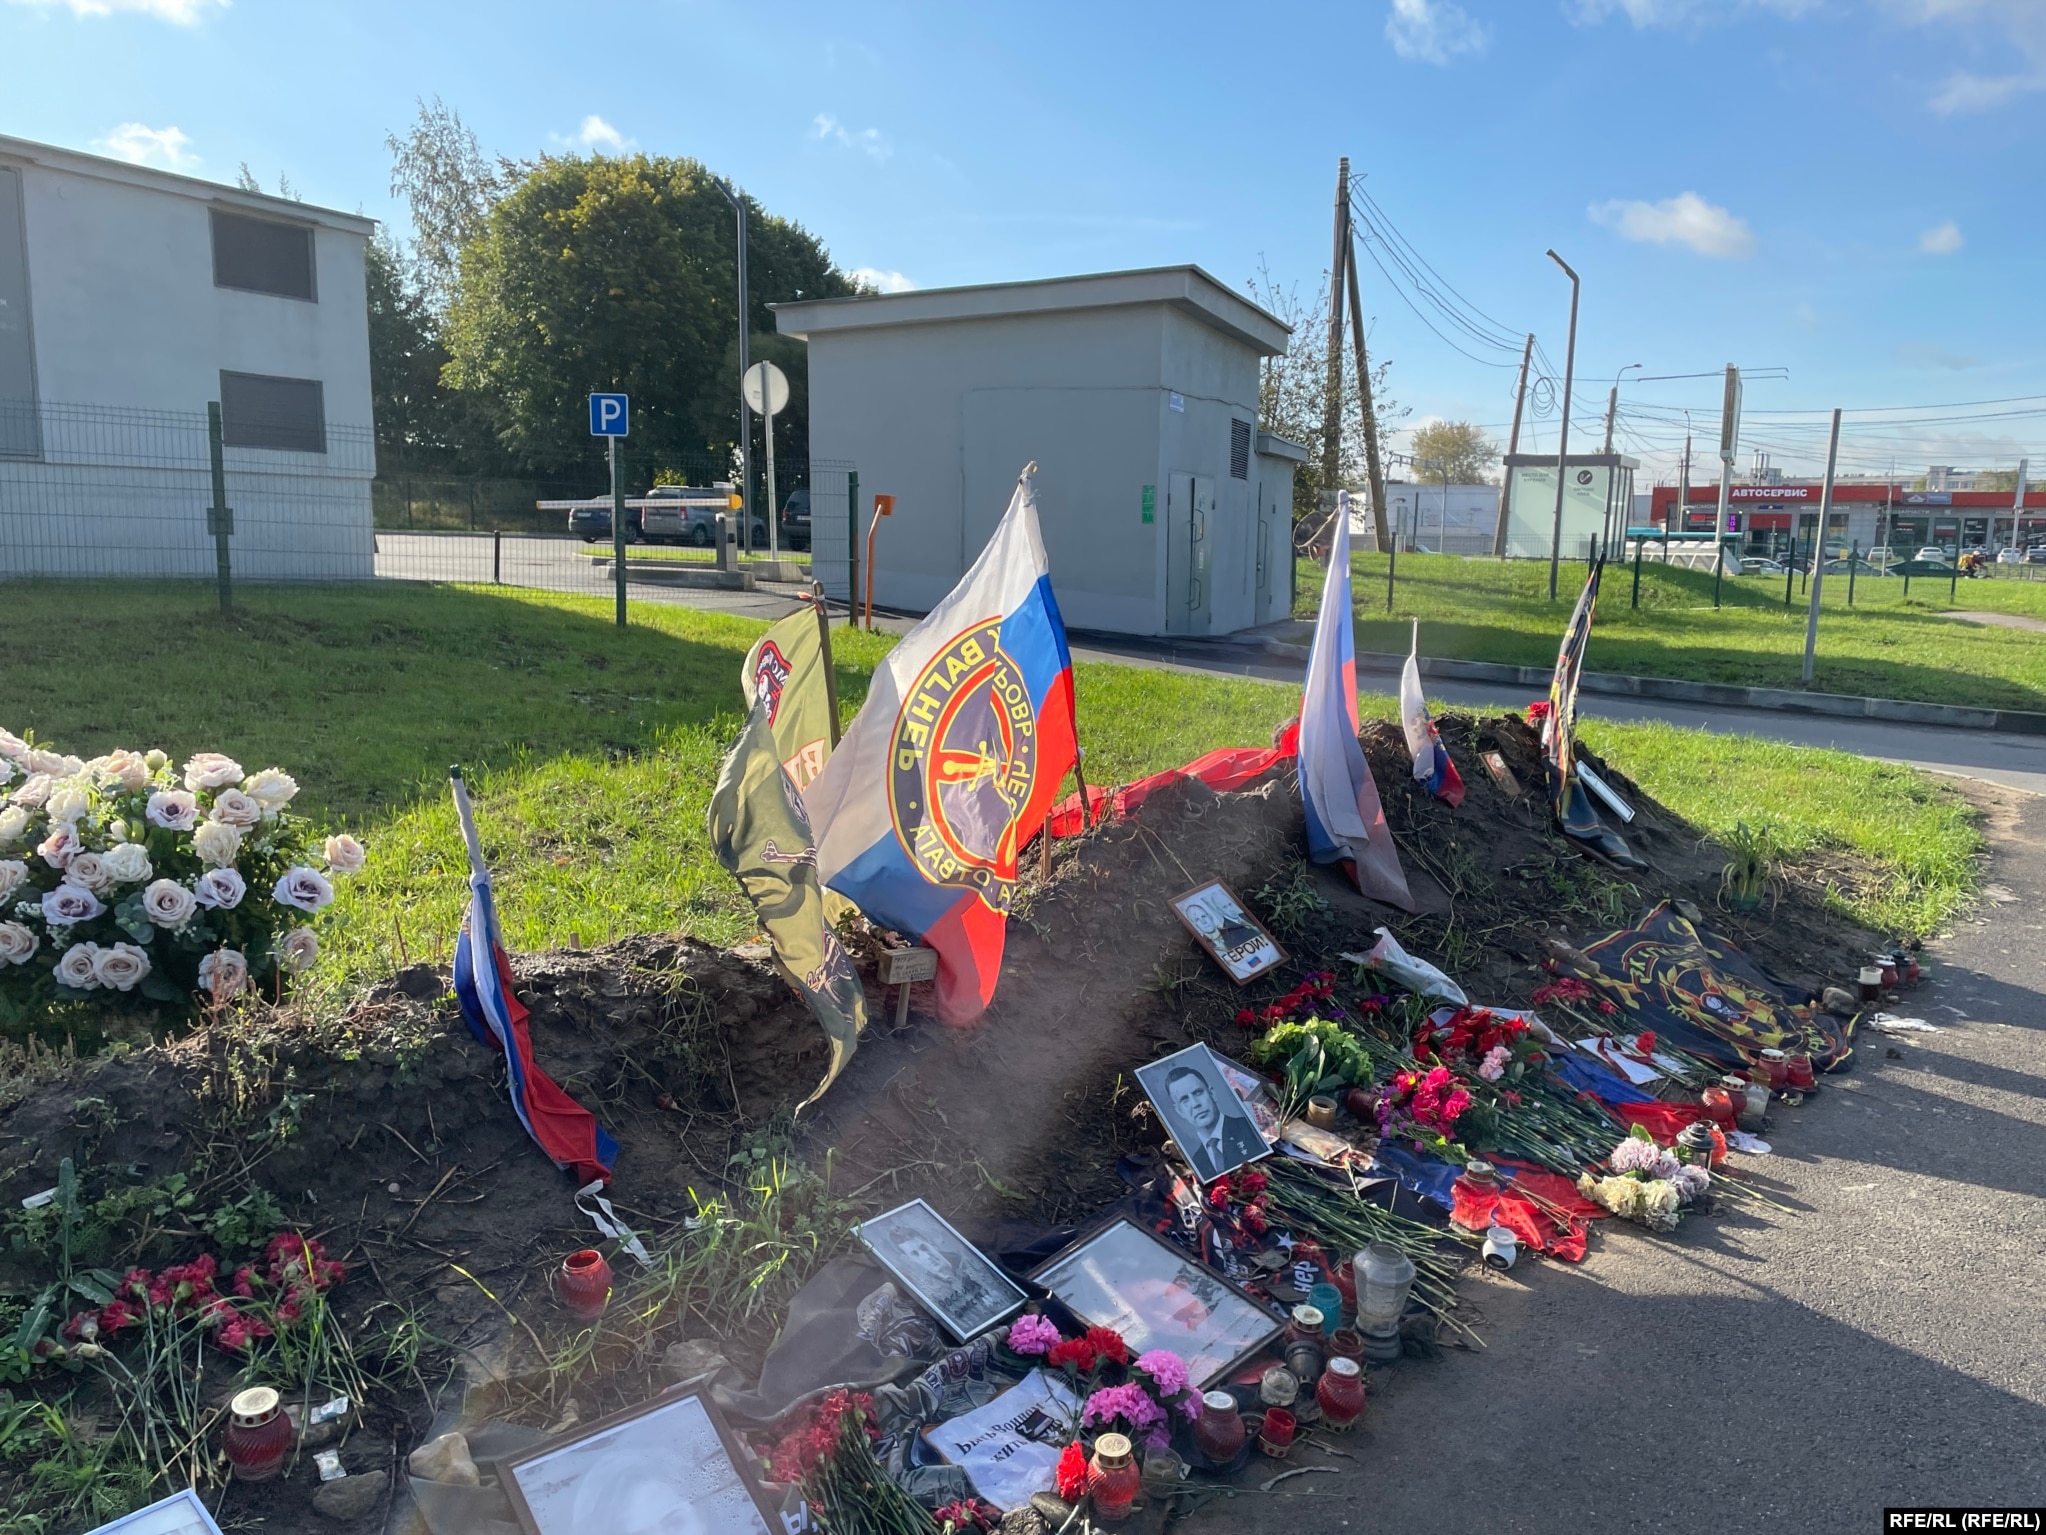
1189	523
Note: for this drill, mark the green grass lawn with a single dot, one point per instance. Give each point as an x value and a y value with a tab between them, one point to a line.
1885	646
593	751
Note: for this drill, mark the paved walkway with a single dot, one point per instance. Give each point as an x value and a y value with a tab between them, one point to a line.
2003	620
1761	1372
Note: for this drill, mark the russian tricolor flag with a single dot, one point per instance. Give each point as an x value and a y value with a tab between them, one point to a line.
1345	821
559	1126
953	763
1432	767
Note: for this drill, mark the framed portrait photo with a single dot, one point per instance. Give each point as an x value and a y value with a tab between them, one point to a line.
668	1467
1158	1297
1234	939
944	1271
1199	1106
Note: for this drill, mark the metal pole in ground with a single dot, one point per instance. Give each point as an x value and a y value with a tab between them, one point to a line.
1811	623
219	520
1392	558
1729	441
1853	559
1639	545
617	530
497	556
738	201
852	548
1563	442
1512	449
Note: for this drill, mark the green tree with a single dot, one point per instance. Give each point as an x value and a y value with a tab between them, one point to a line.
598	273
1454	453
405	362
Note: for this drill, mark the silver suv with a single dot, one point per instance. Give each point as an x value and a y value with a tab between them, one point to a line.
687	514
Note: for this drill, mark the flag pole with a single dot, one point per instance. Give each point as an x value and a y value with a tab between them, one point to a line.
830	671
468	819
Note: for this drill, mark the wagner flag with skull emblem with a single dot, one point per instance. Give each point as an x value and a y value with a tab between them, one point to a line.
954	761
760	834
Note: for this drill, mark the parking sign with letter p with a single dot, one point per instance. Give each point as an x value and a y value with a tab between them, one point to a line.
609	415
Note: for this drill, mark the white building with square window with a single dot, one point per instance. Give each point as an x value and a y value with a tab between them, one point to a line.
133	299
1164	509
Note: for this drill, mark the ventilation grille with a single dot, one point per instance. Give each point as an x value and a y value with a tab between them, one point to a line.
1239	450
262	256
282	414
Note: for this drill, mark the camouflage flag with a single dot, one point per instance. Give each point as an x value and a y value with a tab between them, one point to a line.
762	836
790	667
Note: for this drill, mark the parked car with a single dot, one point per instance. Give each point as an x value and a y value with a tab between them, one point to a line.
2036	555
591	521
1932	552
1754	565
795	520
2010	556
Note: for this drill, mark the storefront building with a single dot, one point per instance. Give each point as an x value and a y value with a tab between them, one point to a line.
1769	519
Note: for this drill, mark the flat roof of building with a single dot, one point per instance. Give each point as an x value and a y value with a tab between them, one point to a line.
1185	288
57	158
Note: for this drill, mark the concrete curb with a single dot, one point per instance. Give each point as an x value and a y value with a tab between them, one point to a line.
1726	696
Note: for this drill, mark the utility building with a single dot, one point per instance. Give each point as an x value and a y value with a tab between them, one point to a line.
130	300
1164	509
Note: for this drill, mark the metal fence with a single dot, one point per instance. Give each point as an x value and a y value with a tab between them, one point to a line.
93	490
99	491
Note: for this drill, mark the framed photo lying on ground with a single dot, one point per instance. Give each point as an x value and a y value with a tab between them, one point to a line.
962	1289
1202	1113
667	1467
1158	1297
1235	939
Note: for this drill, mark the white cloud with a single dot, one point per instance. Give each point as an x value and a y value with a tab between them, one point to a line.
881	280
1433	31
140	144
597	136
2008	26
1686	219
1942	241
870	142
183	13
1677	13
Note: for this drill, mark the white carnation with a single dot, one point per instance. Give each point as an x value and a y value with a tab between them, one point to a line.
67	802
221	889
168	904
89	872
13	875
18	944
77	969
13	825
61	846
273	789
127	863
344	855
120	968
304	888
210	770
216	842
173	809
235	808
223	973
300	948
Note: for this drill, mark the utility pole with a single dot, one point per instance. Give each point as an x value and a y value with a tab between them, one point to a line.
1563	442
1811	622
2017	506
1729	439
1373	466
1332	398
1612	409
1512	447
738	201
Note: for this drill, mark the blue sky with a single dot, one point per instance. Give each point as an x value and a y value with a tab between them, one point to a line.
1845	189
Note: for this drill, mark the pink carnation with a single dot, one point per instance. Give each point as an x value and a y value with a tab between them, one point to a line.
1033	1335
1166	1369
1493	1067
1130	1404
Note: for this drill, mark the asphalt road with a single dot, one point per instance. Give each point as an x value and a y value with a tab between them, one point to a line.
1760	1371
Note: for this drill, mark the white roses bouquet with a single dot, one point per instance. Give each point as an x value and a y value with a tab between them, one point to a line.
127	876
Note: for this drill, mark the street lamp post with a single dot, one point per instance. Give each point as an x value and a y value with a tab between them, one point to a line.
1563	442
738	201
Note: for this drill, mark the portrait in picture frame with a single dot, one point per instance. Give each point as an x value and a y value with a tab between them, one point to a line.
667	1467
1157	1296
948	1275
1223	925
1208	1121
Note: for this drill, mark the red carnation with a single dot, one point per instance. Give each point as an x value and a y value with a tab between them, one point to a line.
1072	1473
1108	1344
1077	1352
1253	1184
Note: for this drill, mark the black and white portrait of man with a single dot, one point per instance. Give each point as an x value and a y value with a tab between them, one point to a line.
1201	1113
941	1268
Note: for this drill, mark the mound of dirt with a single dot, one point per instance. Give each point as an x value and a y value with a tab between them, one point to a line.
388	1134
